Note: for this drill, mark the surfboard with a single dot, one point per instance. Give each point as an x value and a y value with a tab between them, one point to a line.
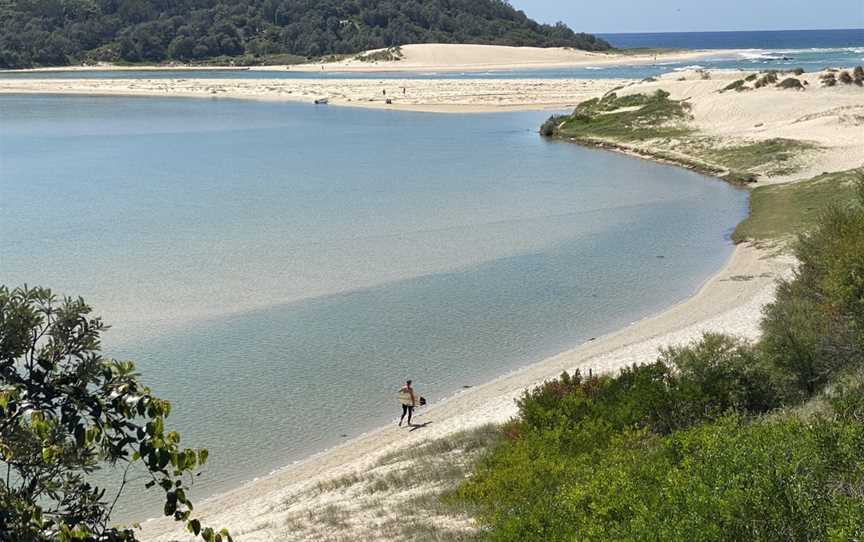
405	397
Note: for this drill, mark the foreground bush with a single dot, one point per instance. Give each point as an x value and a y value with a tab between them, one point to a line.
65	412
815	327
708	443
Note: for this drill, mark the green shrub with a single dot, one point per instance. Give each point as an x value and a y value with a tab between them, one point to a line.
845	78
790	83
815	327
769	78
550	127
828	79
692	447
737	86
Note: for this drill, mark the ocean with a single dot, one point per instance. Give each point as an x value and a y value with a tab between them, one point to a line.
277	270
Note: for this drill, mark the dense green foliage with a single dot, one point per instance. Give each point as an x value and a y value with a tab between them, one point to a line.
65	412
709	443
60	32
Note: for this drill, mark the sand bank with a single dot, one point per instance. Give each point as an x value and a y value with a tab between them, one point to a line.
431	95
455	57
450	57
730	302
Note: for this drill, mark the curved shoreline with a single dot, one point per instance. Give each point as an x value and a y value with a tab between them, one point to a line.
730	301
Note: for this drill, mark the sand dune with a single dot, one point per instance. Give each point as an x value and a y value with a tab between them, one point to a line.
455	57
830	117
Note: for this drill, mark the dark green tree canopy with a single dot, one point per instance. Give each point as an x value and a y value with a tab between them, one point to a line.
65	412
60	32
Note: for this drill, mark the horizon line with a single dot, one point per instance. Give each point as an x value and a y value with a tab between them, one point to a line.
721	31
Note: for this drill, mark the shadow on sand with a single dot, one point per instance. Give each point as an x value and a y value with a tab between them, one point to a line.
415	427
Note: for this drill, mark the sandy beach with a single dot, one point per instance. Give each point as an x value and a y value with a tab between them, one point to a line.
436	57
429	95
729	302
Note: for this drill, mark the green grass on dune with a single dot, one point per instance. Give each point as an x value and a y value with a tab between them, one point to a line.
773	156
628	118
784	210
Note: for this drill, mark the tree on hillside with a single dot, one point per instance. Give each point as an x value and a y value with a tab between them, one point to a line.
59	32
66	412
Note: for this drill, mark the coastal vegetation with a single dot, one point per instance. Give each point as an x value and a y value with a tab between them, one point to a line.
778	212
658	126
631	118
409	493
64	32
726	438
67	412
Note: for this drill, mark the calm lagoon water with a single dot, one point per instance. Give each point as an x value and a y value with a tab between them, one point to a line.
278	269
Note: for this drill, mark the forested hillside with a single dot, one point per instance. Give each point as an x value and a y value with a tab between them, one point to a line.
62	32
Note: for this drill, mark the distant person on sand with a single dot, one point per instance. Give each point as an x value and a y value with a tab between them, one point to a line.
408	400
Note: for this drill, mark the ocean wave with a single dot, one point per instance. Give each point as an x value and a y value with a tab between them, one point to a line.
759	55
594	68
769	54
691	67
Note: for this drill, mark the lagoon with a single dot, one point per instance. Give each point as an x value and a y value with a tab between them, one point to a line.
278	269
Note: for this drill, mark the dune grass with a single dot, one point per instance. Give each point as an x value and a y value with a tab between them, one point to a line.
772	157
629	118
781	211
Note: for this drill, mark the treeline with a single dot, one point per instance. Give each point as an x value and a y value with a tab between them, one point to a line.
721	440
62	32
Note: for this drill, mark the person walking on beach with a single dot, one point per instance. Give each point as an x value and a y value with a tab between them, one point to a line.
408	401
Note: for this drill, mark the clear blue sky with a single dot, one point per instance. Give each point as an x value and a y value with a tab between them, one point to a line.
695	15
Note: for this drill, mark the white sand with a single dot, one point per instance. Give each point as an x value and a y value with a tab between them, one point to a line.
437	57
830	117
434	95
730	302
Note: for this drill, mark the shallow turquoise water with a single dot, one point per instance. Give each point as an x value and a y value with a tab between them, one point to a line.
278	269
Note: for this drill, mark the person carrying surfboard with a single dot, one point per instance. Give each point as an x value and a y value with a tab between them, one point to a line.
408	401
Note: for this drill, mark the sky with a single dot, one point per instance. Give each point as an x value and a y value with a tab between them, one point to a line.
612	16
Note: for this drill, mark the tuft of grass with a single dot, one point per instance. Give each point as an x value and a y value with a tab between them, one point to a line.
778	212
333	516
771	156
391	54
738	86
339	483
790	83
467	442
634	117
